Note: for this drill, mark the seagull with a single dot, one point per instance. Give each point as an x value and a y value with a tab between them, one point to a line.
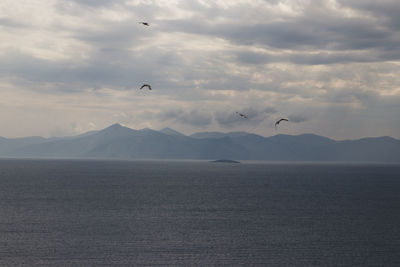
242	115
144	23
145	85
278	121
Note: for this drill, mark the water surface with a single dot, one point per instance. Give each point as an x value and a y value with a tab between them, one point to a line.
124	213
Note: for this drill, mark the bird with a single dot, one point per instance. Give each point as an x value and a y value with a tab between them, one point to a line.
144	23
145	85
242	115
278	121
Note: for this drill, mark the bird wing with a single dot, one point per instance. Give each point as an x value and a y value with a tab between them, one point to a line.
278	121
146	85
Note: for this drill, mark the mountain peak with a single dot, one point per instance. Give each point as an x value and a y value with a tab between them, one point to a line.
116	129
114	126
170	131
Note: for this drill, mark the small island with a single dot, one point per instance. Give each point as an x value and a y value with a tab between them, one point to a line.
224	161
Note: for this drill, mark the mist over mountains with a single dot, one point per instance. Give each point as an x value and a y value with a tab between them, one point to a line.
119	142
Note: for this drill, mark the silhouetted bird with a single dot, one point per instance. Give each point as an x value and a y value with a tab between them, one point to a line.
145	85
278	121
144	23
242	115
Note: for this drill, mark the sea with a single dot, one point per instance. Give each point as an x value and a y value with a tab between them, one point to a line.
198	213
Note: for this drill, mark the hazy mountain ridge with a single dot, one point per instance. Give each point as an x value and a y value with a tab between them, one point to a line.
170	131
203	135
117	141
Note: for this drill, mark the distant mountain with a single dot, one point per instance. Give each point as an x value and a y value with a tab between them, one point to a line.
117	141
202	135
12	144
170	131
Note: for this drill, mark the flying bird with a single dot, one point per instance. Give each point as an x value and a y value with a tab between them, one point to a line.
242	115
145	85
144	23
278	121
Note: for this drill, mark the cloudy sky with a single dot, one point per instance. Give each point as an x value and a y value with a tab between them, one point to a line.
331	66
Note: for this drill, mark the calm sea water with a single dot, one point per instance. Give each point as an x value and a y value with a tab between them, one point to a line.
125	213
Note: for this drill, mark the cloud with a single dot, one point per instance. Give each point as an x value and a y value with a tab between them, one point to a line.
310	58
297	118
204	59
97	3
229	118
190	117
386	11
7	22
320	26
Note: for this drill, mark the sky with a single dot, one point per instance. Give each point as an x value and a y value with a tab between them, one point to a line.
332	67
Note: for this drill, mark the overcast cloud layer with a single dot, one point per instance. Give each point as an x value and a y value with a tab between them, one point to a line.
331	67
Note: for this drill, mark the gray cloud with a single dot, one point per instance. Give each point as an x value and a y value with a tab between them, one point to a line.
97	3
304	34
205	55
190	117
312	58
229	118
386	11
297	118
102	69
7	22
318	29
364	98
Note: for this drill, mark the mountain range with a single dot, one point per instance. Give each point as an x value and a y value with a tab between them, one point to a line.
119	142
